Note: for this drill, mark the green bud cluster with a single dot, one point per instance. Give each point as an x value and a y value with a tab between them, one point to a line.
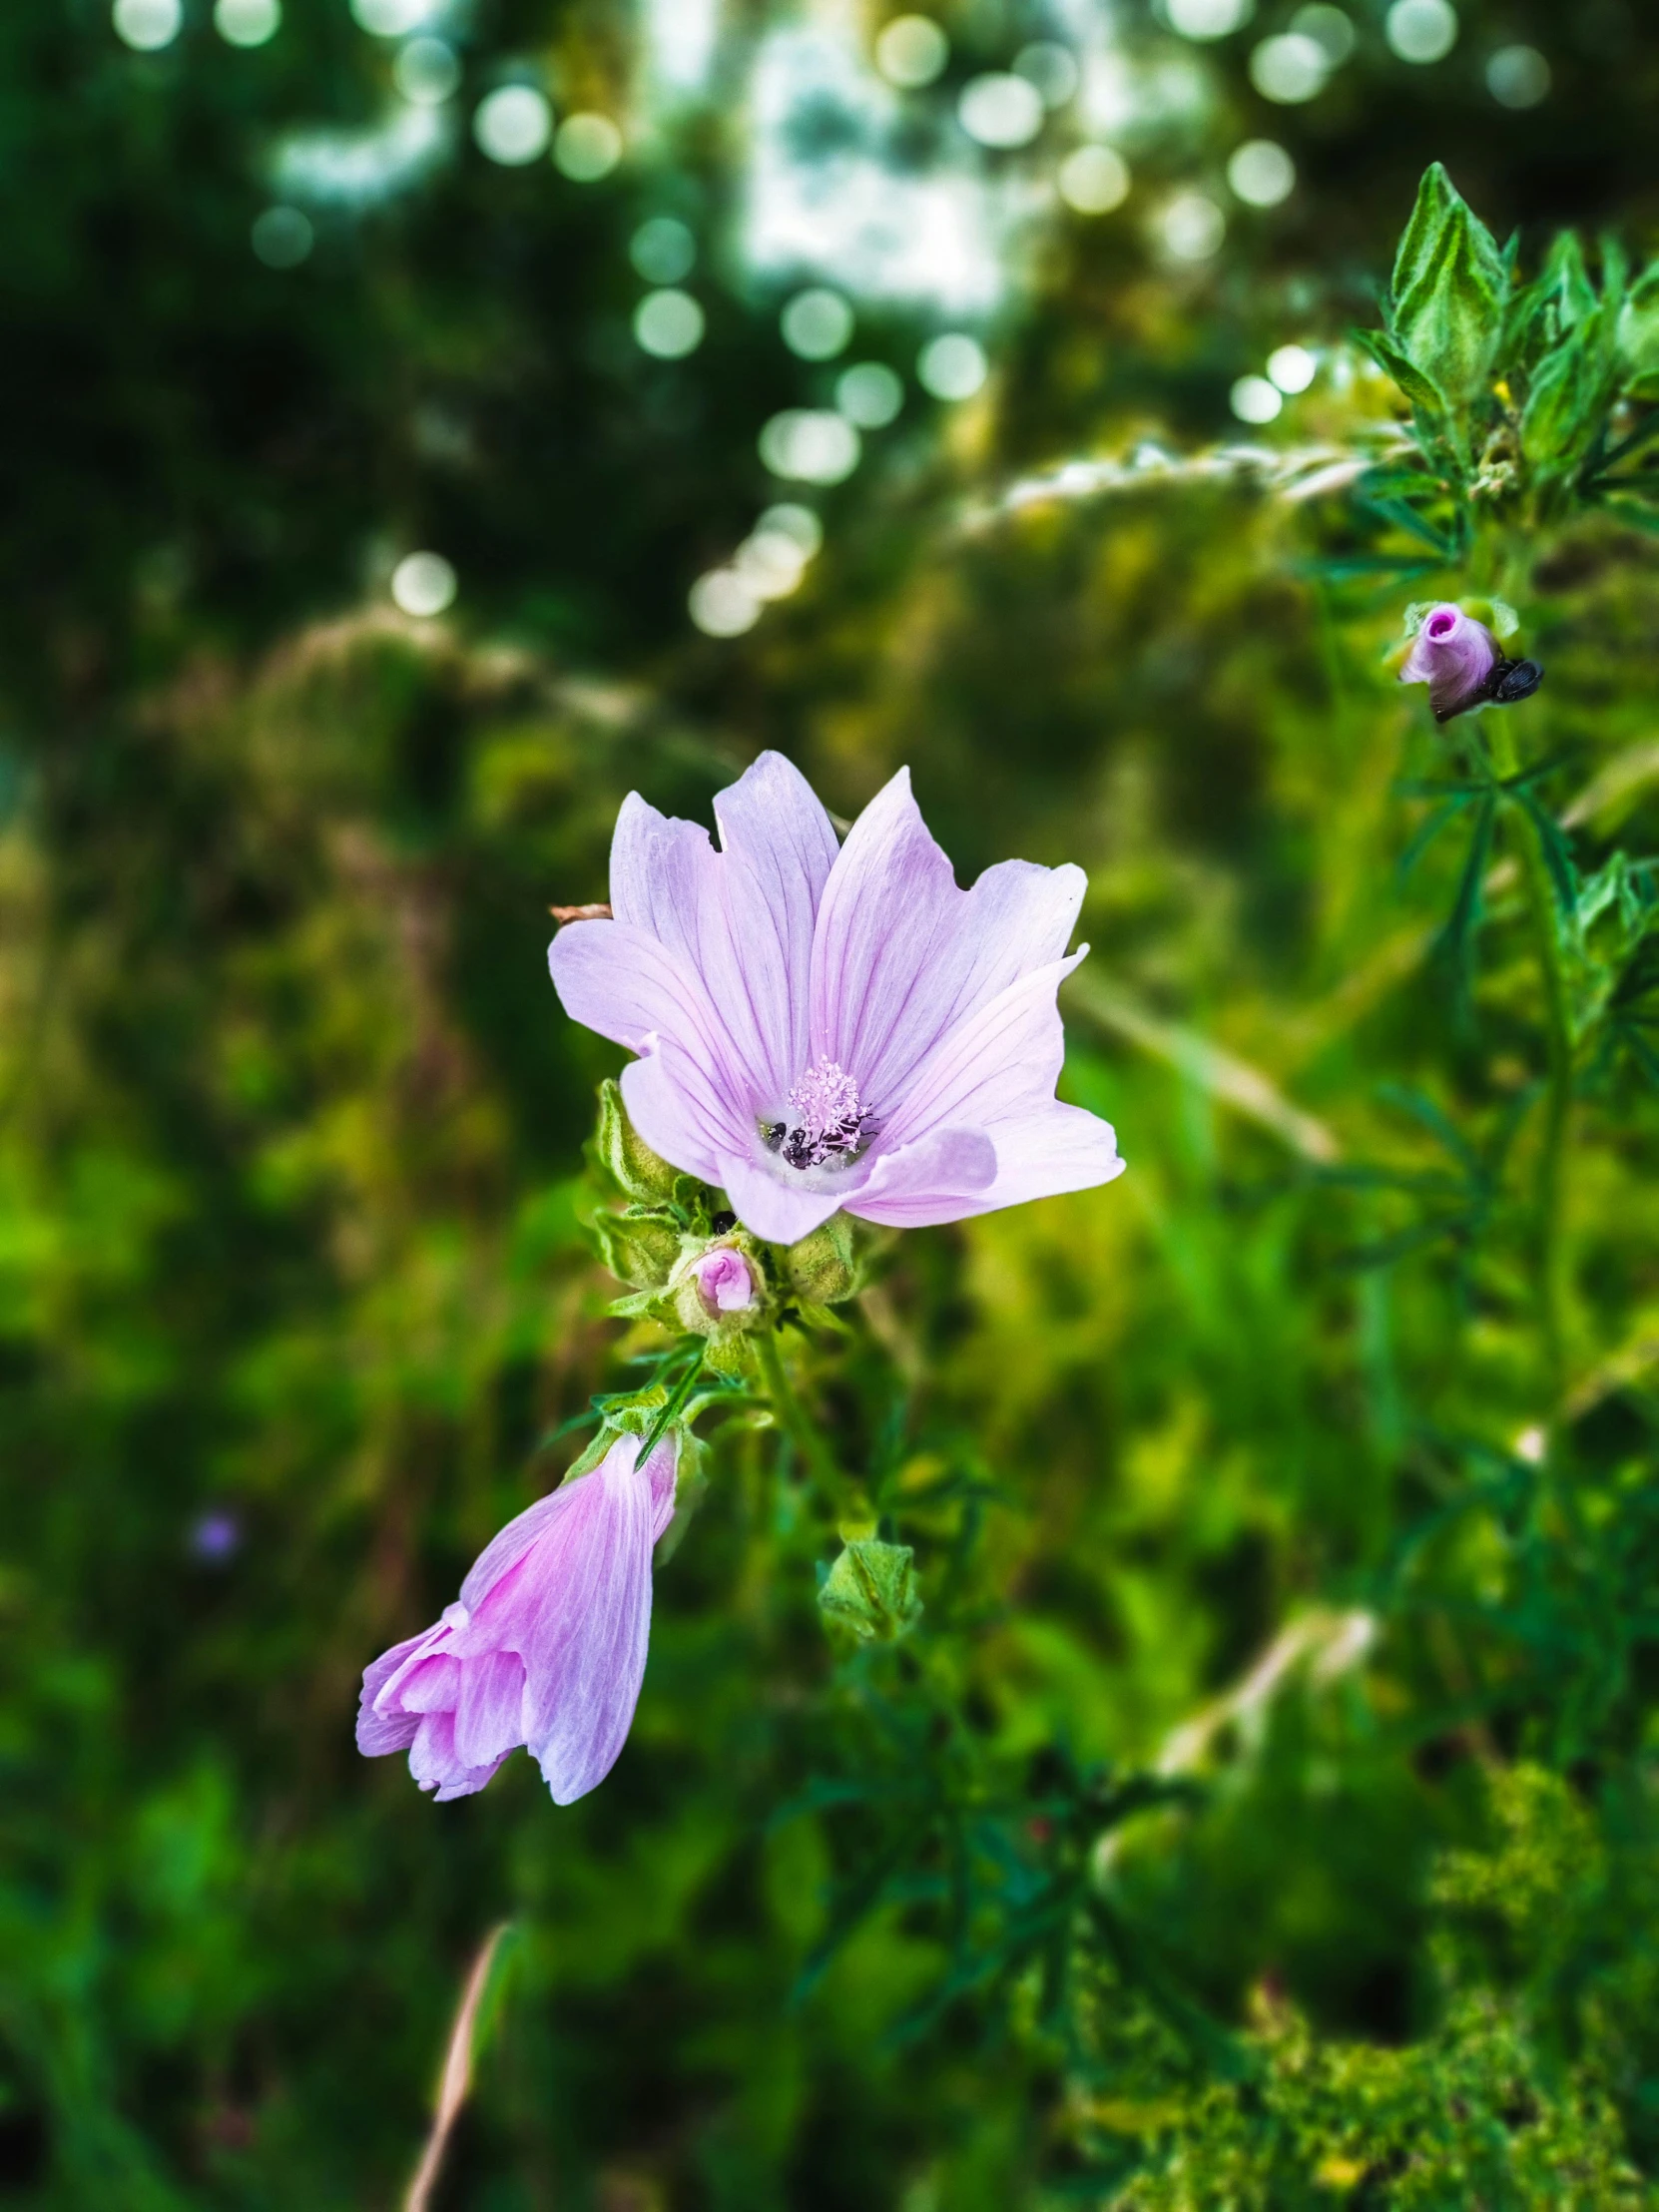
1513	385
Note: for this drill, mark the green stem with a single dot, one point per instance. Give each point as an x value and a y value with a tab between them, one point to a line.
798	1425
1551	1251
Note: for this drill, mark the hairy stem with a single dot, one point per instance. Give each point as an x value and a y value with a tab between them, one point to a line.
1549	1251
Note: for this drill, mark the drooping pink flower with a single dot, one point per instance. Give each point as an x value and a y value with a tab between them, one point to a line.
546	1646
822	1028
724	1281
1453	655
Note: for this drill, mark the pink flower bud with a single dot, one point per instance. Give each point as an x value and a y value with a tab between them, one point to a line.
725	1281
1455	656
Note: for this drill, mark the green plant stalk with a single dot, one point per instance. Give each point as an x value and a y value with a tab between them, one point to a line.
845	1497
1550	1249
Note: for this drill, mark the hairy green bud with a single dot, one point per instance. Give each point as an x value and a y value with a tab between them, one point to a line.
821	1269
871	1591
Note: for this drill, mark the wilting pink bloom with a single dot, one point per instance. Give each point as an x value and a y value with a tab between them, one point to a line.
724	1279
822	1028
1455	656
546	1647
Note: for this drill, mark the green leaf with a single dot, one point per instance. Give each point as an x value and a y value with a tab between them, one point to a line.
1638	336
1451	292
1570	395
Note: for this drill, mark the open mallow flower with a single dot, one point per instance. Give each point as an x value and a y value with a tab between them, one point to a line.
546	1645
1464	666
822	1028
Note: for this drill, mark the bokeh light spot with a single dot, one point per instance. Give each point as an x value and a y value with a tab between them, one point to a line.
1094	180
663	251
423	585
796	522
1421	30
428	72
1518	77
586	147
248	22
1255	399
1261	173
1193	227
391	18
869	394
281	238
770	563
1209	18
1051	69
1291	367
724	604
912	51
513	125
148	25
811	445
1000	110
669	324
817	324
952	366
1289	69
1331	29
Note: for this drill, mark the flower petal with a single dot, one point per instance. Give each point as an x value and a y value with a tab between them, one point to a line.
779	847
1060	1148
740	919
903	955
1001	1063
681	1113
489	1712
941	1177
622	982
394	1729
585	1655
780	1212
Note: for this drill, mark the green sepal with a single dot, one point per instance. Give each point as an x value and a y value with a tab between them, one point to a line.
1420	389
640	1245
639	1173
871	1591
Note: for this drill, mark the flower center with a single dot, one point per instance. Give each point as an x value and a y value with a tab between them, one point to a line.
826	1122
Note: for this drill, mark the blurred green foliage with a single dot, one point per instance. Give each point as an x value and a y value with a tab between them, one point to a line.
1261	1808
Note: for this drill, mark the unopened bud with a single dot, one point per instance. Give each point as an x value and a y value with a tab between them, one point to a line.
724	1279
1464	666
720	1288
820	1269
870	1589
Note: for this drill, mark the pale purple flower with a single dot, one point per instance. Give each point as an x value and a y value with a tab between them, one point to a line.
546	1647
725	1281
1455	656
822	1028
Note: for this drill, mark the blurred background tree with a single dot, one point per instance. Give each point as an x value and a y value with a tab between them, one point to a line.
421	423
